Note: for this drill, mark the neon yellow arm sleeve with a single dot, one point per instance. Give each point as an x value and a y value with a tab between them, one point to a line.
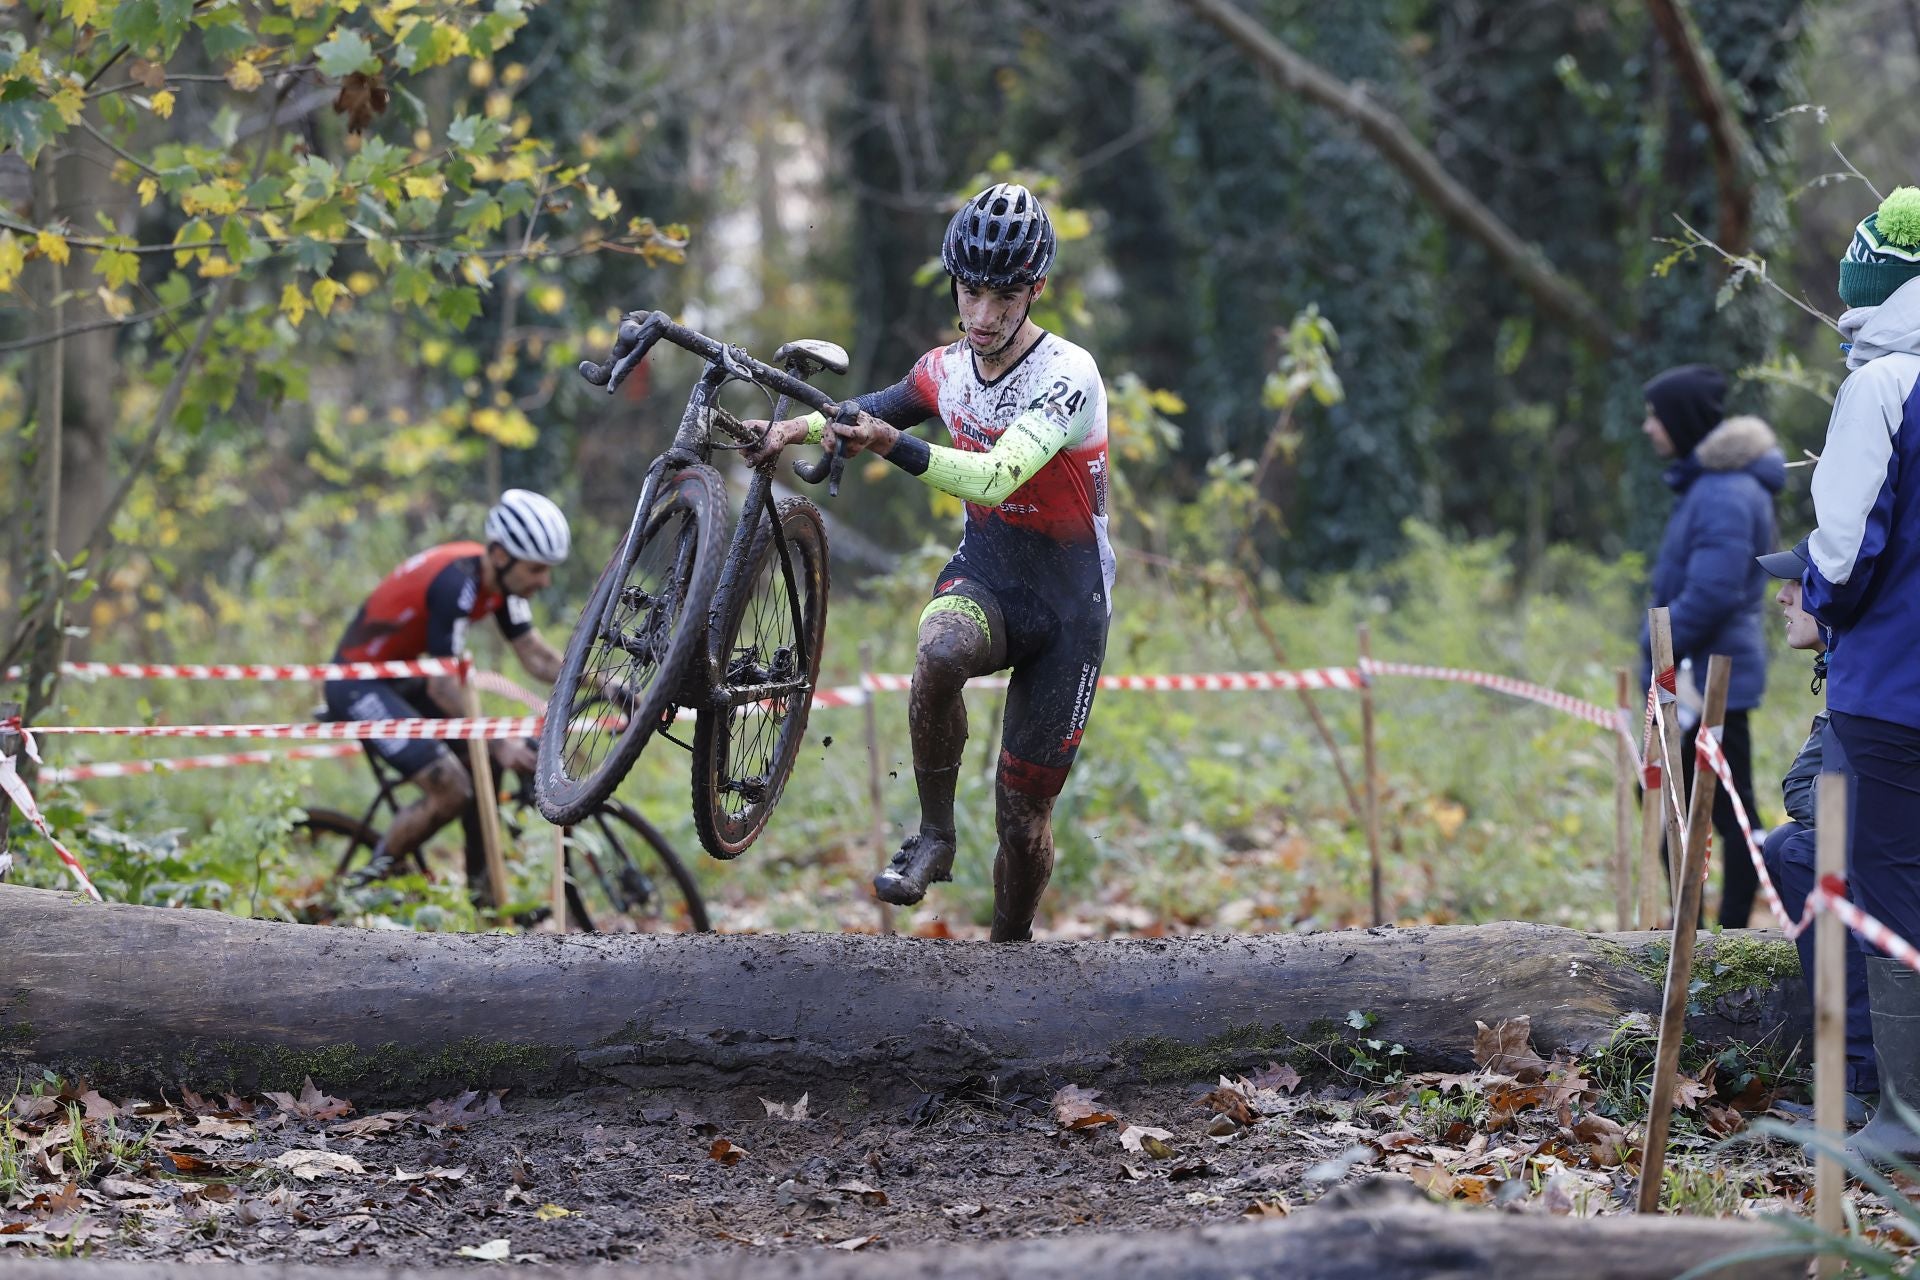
990	478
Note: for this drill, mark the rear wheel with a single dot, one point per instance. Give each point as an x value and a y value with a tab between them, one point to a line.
640	629
767	638
622	874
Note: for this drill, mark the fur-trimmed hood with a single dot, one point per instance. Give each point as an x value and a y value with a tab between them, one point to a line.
1735	443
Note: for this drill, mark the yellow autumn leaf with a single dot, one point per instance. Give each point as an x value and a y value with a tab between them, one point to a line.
148	190
325	293
53	246
244	76
13	257
216	265
428	188
117	305
549	298
363	283
293	304
548	1212
80	12
1072	224
162	104
509	426
1166	401
69	100
476	271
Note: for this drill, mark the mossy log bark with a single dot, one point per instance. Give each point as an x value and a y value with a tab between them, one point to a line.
130	993
1315	1245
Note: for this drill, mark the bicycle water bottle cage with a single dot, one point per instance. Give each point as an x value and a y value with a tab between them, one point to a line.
807	356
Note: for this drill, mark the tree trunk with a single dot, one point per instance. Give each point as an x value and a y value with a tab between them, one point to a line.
174	996
1318	1244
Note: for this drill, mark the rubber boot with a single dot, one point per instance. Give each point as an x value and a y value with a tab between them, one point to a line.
1894	992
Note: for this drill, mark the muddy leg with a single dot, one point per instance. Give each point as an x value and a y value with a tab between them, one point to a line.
448	788
1024	862
952	648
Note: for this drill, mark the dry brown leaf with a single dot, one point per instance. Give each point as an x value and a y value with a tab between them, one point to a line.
1505	1048
1432	1179
311	1104
1722	1122
869	1195
1689	1093
786	1110
726	1153
1230	1102
1606	1140
361	98
1565	1084
1397	1139
214	1127
857	1242
1265	1209
151	74
1073	1104
1277	1075
368	1126
307	1164
962	1212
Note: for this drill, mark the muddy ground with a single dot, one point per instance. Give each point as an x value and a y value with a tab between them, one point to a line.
608	1174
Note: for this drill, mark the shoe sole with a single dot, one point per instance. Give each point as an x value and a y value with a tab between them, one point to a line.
896	892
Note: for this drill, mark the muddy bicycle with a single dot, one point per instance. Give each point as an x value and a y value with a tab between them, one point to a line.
686	618
620	871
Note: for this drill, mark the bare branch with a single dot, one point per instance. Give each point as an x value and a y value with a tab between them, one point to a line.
1731	148
109	323
1552	292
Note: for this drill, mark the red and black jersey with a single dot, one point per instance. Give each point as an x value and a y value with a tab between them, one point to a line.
423	609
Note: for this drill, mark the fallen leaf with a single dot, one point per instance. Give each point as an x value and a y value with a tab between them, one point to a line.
868	1195
368	1126
311	1104
726	1153
468	1107
97	1107
214	1127
491	1251
1230	1102
1688	1093
125	1188
1432	1179
1266	1209
962	1212
307	1164
1564	1083
1722	1122
548	1212
1151	1141
1397	1139
1277	1075
857	1242
1072	1105
1505	1048
786	1110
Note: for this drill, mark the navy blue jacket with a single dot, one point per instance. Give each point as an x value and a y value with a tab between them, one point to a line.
1864	575
1705	573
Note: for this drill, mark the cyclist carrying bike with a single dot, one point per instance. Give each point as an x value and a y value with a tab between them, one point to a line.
423	609
1030	586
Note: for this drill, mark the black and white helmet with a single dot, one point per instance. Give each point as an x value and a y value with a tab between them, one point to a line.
530	527
999	239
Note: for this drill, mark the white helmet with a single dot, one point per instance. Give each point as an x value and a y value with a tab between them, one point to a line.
530	527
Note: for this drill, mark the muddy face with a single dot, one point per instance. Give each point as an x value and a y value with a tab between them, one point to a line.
992	317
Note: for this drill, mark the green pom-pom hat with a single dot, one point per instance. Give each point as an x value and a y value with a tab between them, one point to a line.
1885	251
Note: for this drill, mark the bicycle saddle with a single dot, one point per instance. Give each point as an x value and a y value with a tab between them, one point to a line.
813	354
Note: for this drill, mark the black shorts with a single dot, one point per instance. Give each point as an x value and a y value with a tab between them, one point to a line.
383	700
1055	660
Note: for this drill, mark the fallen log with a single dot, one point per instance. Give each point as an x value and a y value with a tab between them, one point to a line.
1314	1245
139	996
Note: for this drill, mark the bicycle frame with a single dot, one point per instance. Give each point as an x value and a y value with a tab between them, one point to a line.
692	444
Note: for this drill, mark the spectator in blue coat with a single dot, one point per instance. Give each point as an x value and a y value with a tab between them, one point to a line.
1863	582
1726	472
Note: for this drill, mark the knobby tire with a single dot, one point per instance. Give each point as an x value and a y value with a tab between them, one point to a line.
743	755
681	540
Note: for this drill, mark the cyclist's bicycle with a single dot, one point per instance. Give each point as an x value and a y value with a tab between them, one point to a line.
608	857
682	618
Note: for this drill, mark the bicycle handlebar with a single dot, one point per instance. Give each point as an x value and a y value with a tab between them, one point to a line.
639	331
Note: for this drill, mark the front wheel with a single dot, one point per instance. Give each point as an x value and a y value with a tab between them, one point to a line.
767	637
641	627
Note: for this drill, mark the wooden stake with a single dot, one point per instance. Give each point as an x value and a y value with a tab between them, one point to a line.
1830	1012
1672	774
876	802
1623	820
1691	867
487	798
1372	785
9	746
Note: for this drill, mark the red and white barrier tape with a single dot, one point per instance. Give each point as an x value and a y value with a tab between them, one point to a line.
1580	708
16	791
324	730
261	671
1830	894
184	764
